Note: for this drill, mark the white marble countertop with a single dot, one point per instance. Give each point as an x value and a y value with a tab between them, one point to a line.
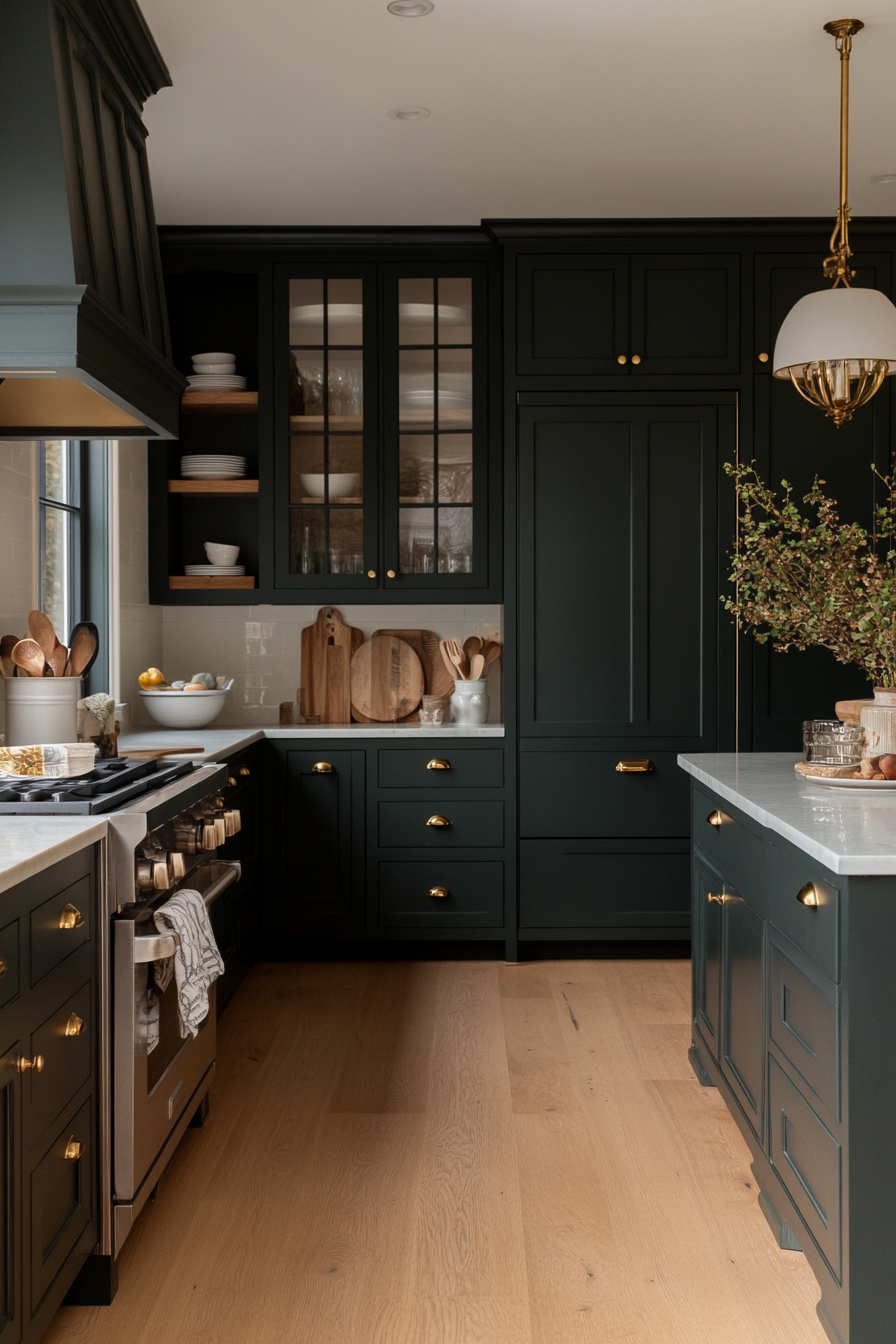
30	844
849	831
218	743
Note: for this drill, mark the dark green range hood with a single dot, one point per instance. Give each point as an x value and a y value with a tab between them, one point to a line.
84	348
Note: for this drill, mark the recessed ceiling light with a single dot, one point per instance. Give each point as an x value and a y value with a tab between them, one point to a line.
884	179
411	9
408	113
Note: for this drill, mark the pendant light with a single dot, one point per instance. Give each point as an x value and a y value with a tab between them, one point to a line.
838	345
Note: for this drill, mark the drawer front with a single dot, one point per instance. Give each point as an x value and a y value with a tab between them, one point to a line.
64	1043
9	963
564	885
737	852
581	793
814	928
804	1019
52	940
808	1160
475	898
426	769
472	825
61	1201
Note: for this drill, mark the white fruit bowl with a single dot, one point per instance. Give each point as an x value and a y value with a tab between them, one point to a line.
184	709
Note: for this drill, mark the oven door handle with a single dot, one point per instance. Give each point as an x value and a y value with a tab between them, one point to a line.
155	947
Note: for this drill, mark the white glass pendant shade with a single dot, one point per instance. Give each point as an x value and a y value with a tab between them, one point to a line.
836	325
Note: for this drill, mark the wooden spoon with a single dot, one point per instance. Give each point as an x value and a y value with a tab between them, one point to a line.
472	645
84	647
477	666
7	644
40	628
59	659
491	650
29	656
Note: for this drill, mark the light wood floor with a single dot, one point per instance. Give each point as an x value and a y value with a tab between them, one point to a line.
457	1153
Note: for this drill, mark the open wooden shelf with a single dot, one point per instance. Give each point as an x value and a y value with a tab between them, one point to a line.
240	487
210	581
219	403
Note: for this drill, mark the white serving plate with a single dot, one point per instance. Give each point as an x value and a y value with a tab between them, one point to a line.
214	475
230	570
852	783
420	315
340	314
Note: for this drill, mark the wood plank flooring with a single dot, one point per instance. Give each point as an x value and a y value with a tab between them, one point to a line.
457	1153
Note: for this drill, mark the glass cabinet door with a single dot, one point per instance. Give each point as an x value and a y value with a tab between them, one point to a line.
331	532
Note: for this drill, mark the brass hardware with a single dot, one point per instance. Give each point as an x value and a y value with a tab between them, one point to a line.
763	358
71	917
634	767
438	821
440	892
390	573
37	1064
4	968
231	782
245	771
74	1150
636	359
438	764
713	899
322	768
371	573
219	802
621	359
75	1026
808	895
718	818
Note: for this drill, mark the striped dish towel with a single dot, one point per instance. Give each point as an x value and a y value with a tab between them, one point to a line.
197	961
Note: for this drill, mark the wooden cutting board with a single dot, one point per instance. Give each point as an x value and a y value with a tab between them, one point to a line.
386	679
327	649
436	677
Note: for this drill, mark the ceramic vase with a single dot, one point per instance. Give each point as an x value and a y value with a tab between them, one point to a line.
469	703
879	722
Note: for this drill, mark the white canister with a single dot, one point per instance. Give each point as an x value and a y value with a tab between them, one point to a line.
879	722
469	703
41	710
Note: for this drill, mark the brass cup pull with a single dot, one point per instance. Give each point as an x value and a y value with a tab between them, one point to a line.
714	899
718	818
75	1026
70	918
634	767
322	768
245	771
808	895
74	1150
438	764
4	968
438	892
438	821
37	1064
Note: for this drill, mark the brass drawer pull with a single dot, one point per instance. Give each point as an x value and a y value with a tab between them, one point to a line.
231	782
71	917
438	764
4	968
634	767
74	1150
718	818
714	899
322	768
439	892
438	821
75	1026
245	771
37	1064
808	895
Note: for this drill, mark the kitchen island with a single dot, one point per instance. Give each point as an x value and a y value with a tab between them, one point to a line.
794	1003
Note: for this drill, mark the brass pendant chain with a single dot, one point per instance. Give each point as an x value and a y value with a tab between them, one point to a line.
836	266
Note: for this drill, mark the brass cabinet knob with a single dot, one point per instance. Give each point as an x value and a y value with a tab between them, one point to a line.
4	968
37	1064
390	573
231	782
371	573
438	892
438	821
763	358
636	359
75	1026
808	895
621	359
74	1150
70	918
323	768
718	818
438	764
634	767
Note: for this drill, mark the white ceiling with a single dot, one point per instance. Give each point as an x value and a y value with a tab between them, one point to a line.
552	108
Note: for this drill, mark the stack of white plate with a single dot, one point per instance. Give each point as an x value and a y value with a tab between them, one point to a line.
212	467
215	371
219	570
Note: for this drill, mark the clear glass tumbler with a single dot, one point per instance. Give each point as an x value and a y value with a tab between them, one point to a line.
830	742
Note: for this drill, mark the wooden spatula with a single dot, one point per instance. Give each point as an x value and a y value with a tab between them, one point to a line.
28	656
477	666
40	628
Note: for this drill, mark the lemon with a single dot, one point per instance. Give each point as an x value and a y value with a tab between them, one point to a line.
150	678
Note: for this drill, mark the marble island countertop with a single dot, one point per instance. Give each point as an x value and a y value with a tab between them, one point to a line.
850	831
28	845
218	743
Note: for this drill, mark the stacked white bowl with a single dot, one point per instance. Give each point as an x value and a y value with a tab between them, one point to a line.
215	371
223	561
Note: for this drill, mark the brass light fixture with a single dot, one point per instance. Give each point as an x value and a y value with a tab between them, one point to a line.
838	345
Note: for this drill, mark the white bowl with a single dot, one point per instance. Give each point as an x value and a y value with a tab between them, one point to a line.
342	483
214	357
219	554
227	367
184	709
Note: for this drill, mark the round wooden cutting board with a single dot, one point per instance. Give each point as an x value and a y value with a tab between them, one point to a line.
387	679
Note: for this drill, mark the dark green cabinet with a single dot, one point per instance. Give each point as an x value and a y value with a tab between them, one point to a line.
743	1028
706	936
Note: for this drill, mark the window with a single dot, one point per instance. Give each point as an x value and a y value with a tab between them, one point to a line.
61	595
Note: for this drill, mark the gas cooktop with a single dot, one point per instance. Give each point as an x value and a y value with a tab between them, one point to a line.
109	786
